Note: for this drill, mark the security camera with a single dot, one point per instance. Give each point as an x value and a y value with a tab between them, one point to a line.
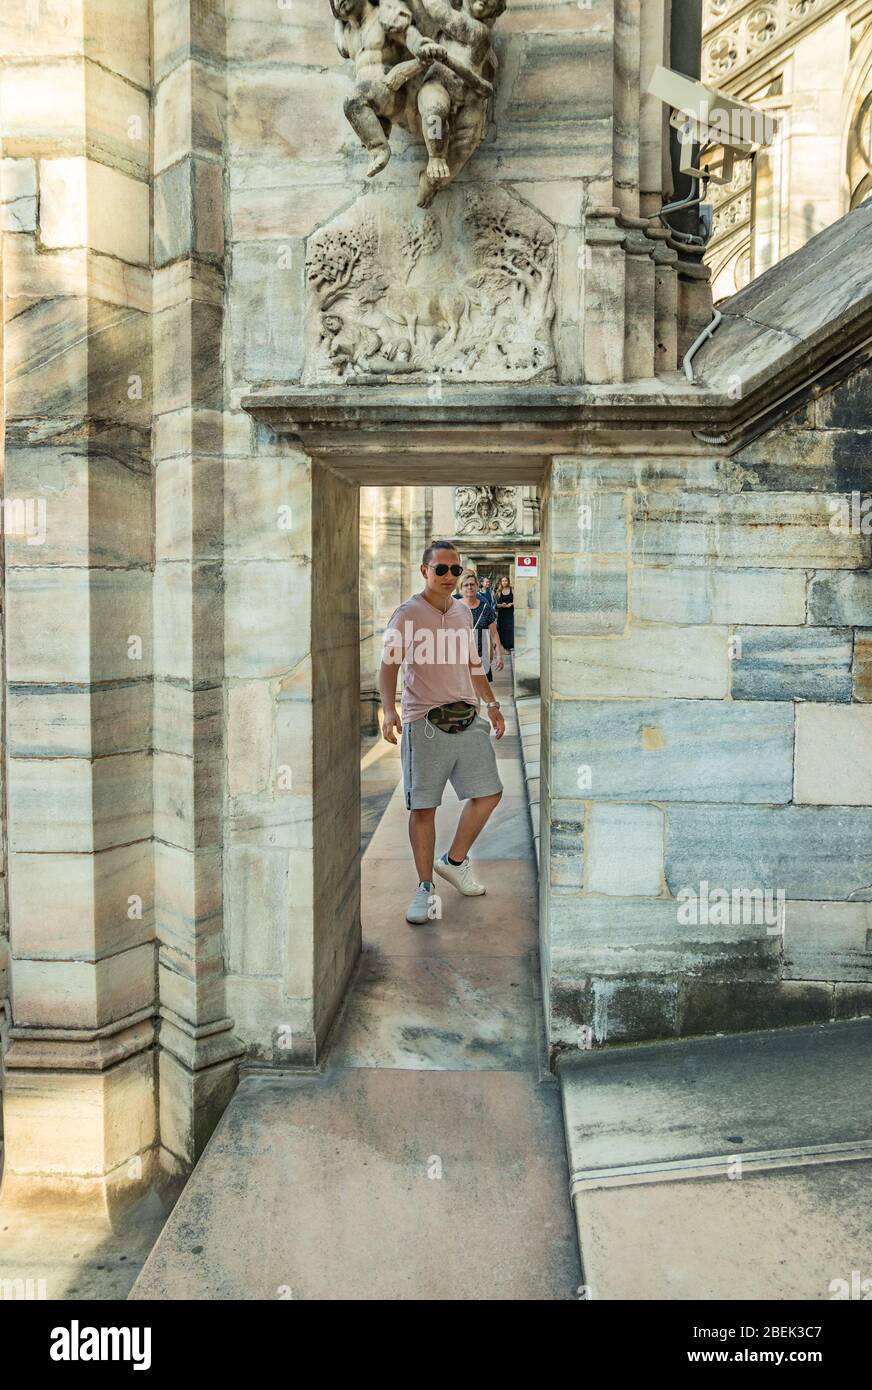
709	118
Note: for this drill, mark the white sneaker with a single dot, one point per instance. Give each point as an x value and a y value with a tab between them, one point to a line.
460	875
421	907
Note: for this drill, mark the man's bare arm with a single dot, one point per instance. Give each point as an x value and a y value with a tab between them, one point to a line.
388	674
482	687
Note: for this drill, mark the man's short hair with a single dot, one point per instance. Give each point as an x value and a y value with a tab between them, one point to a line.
437	545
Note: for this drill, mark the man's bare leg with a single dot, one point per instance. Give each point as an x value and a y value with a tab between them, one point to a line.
422	835
473	819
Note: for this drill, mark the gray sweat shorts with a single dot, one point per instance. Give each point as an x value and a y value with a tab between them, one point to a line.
431	757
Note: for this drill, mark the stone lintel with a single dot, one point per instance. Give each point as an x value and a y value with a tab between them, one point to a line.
375	434
372	433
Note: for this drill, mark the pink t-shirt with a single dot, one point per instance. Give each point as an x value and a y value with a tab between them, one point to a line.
438	652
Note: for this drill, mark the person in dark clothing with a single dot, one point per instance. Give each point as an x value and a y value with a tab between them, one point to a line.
505	605
484	623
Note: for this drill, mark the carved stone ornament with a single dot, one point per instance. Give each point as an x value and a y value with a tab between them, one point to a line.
463	291
426	66
485	511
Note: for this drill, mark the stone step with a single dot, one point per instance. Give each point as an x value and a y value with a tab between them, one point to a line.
733	1166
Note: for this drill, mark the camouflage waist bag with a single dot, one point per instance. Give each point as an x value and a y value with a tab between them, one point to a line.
453	718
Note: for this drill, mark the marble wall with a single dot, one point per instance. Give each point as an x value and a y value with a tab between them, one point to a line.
708	733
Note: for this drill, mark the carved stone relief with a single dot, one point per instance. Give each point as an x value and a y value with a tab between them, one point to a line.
462	291
485	511
426	66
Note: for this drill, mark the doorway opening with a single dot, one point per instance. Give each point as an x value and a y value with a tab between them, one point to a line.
461	991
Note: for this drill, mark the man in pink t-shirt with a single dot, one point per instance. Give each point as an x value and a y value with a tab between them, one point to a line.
443	736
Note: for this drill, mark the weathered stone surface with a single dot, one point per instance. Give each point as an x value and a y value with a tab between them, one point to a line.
77	355
60	1134
83	203
267	293
587	594
18	214
97	904
49	105
783	530
188	722
257	902
663	595
78	625
250	719
834	755
188	508
673	750
563	842
848	405
628	1010
808	852
657	660
838	599
605	936
187	799
189	114
624	850
67	994
267	507
588	522
95	499
188	211
828	941
187	895
715	1007
267	608
73	805
291	118
276	212
187	363
807	460
77	721
792	663
181	32
30	274
863	664
188	642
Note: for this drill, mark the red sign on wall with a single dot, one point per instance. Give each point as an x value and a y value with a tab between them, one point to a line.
526	564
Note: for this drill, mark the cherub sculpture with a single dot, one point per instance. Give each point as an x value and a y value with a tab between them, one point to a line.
419	64
452	95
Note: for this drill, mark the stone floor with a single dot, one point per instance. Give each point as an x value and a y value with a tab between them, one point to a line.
725	1167
427	1161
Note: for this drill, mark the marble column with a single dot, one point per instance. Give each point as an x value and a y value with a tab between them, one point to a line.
198	1050
80	1111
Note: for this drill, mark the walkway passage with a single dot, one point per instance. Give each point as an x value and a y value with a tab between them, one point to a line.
428	1160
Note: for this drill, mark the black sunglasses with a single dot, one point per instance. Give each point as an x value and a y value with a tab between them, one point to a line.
456	570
